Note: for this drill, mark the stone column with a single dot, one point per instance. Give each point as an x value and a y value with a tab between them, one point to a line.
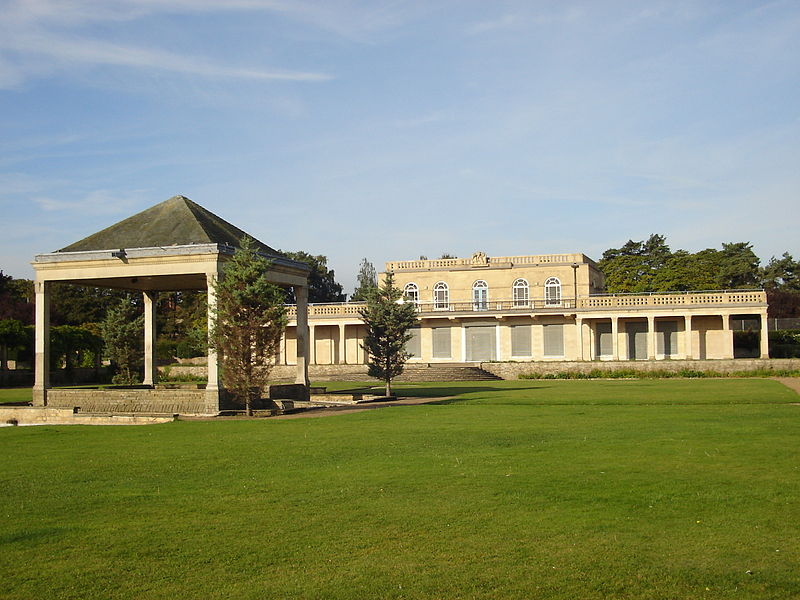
579	337
301	294
764	335
614	338
727	337
688	350
213	387
651	337
312	345
150	369
342	344
42	344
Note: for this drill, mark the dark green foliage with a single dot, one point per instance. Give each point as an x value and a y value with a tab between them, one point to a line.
12	337
123	334
367	281
182	322
322	285
247	324
783	273
784	343
650	266
388	319
77	304
70	344
16	299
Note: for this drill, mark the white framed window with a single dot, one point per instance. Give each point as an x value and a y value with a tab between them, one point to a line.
411	293
441	296
480	295
520	292
552	292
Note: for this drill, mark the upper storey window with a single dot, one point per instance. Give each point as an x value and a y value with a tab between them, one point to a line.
552	291
520	292
480	295
411	293
441	296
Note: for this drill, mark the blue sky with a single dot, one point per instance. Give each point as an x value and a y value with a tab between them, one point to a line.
393	129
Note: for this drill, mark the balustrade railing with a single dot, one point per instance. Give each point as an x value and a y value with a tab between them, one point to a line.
351	309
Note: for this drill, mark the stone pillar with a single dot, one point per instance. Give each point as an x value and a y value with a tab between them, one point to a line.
764	338
579	337
727	337
312	345
213	389
150	369
301	294
687	340
342	344
651	337
614	338
42	344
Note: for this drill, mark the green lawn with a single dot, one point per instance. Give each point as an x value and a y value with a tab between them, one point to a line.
517	489
15	395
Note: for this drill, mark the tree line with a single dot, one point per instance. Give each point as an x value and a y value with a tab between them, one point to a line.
85	319
651	266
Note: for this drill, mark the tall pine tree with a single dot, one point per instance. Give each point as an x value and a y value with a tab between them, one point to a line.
388	318
247	324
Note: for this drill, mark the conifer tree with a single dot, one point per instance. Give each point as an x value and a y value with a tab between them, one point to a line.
367	281
388	318
247	324
124	341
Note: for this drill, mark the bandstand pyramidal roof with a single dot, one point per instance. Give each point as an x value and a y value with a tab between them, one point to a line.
174	222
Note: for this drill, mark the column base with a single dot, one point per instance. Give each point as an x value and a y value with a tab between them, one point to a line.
39	397
213	401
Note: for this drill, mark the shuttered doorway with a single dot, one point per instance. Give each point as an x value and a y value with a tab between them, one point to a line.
481	342
637	340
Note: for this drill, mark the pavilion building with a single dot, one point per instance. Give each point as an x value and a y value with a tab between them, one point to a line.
536	308
172	246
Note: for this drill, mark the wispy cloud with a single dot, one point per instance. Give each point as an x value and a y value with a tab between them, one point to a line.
95	202
65	50
37	38
510	21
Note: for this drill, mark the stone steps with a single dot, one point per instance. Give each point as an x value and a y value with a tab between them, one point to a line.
446	373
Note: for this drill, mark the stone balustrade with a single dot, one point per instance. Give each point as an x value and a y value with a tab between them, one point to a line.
450	263
655	300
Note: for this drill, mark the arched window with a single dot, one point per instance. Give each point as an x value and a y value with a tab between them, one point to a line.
411	293
480	295
552	291
441	296
520	291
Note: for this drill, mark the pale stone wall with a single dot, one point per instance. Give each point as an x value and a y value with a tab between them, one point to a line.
131	400
512	370
39	415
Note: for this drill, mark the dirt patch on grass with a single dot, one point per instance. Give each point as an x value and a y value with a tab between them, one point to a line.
793	383
338	410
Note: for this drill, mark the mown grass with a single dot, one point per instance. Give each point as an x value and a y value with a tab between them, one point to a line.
633	373
15	395
562	489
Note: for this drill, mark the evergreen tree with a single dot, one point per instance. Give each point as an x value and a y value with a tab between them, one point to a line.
247	324
367	281
781	273
123	334
322	284
388	319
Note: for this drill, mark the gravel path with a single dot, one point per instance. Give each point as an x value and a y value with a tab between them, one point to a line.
339	410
